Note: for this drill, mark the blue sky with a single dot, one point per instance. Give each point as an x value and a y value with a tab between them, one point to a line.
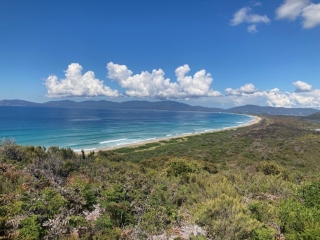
211	53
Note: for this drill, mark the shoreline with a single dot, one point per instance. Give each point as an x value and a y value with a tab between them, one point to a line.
132	145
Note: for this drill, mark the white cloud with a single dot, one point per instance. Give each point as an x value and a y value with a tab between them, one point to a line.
155	85
256	4
309	12
248	94
76	84
196	86
276	98
291	9
240	16
244	15
248	88
252	29
302	86
311	16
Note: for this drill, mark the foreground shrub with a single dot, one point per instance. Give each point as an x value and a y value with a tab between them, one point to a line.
298	221
10	150
272	168
226	217
310	194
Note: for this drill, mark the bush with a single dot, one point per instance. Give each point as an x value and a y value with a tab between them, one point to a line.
263	234
11	150
30	228
269	168
297	221
179	169
226	217
310	194
67	153
272	168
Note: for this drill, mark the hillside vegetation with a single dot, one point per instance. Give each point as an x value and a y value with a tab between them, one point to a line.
315	116
257	182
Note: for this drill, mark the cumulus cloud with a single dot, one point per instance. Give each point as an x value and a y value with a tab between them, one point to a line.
244	15
186	87
76	84
274	97
292	9
277	98
248	88
145	84
256	4
154	84
311	16
302	86
252	29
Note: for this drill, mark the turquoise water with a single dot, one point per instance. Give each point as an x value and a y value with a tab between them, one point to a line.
91	129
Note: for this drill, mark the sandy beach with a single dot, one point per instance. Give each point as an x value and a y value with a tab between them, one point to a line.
255	121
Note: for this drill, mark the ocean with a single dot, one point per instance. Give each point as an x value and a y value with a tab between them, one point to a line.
91	129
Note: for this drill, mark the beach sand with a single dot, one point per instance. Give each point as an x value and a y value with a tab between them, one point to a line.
255	121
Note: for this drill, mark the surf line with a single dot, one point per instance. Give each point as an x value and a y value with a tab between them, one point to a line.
110	141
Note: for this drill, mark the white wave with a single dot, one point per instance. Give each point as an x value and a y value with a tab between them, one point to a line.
208	130
129	142
169	135
239	122
110	141
86	149
148	139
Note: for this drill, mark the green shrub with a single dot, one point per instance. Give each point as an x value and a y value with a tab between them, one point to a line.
310	194
263	234
269	168
77	221
272	168
67	153
258	210
298	221
181	169
30	228
210	167
103	223
11	150
226	217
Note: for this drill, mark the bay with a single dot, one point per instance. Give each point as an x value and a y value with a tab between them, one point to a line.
91	129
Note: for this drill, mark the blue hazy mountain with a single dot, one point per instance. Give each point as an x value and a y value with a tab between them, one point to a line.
161	105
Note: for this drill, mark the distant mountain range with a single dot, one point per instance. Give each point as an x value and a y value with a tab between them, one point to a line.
161	105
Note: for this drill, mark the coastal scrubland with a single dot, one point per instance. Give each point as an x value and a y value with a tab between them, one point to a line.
255	182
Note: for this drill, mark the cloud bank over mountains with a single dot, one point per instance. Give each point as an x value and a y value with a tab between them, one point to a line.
154	85
145	84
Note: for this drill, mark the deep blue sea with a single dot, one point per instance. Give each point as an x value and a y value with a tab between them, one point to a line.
91	129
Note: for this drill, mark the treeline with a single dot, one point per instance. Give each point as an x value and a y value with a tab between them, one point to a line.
226	185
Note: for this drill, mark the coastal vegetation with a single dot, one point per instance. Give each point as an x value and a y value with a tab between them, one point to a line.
315	116
255	182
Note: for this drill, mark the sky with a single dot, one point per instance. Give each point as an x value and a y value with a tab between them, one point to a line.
212	53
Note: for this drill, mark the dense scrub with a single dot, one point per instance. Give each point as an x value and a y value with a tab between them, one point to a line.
258	182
